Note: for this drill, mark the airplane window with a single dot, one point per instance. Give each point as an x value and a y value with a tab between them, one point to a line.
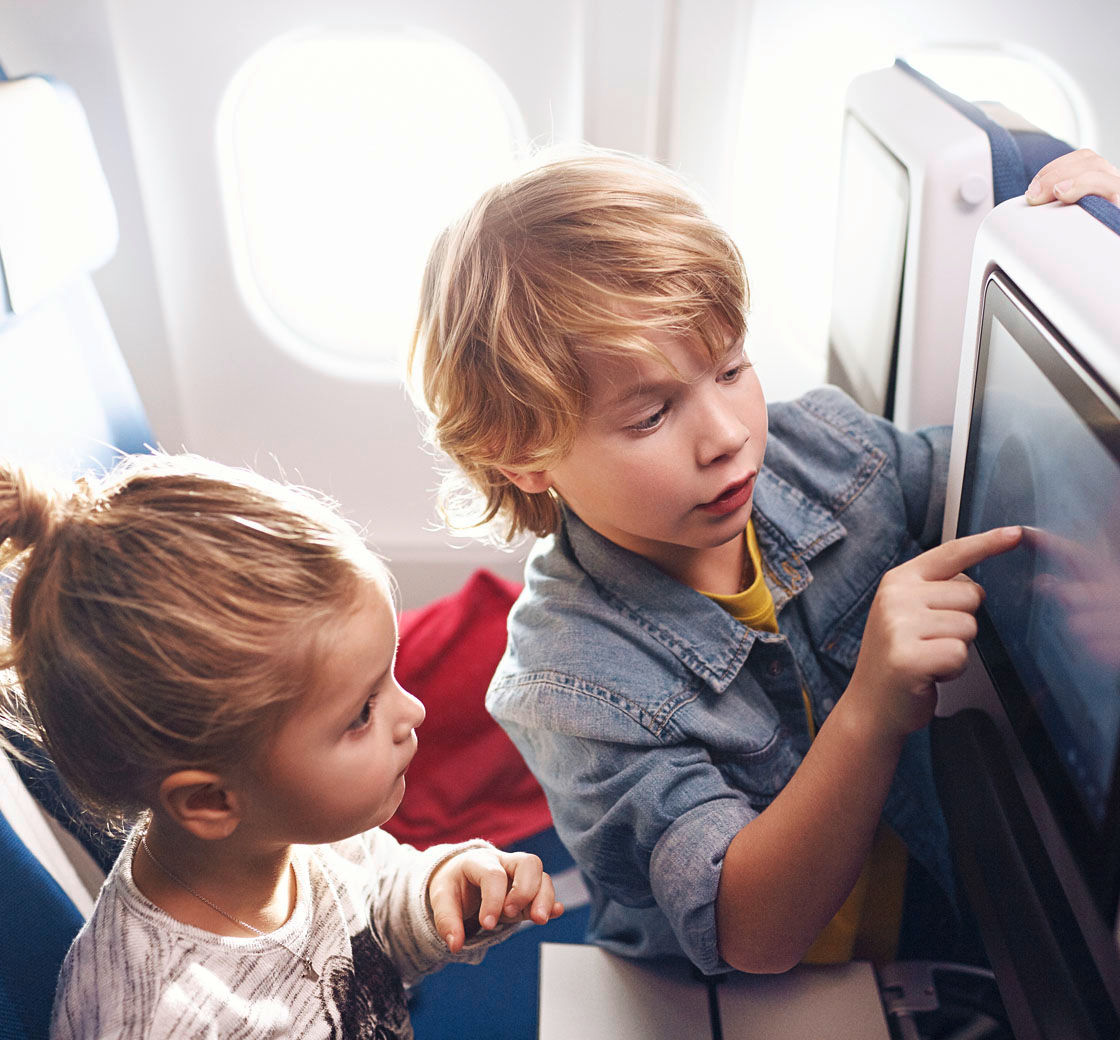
1030	86
341	157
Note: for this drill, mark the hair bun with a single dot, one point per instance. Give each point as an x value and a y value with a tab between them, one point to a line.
28	506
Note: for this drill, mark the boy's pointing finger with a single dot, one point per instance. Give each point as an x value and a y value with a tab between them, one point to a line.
948	560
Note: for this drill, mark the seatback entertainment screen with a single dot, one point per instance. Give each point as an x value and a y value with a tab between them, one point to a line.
1044	452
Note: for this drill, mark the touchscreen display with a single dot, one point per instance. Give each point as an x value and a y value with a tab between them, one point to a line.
1043	454
867	284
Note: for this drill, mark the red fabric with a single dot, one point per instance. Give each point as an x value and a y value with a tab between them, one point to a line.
467	779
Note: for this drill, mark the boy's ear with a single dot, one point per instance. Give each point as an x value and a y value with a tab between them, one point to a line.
201	803
533	481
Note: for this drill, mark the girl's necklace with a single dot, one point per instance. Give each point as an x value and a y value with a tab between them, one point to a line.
308	968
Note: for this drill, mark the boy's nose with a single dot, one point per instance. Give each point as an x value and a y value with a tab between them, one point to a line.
723	433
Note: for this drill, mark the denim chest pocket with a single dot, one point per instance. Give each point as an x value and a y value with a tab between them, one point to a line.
744	737
762	775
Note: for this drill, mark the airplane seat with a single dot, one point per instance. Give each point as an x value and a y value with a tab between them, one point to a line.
70	407
37	923
1019	150
920	169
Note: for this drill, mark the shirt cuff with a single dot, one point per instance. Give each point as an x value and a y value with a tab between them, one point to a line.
685	870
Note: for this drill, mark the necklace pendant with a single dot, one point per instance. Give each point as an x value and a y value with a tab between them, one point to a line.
310	972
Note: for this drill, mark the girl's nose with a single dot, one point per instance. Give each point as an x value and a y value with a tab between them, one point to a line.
411	715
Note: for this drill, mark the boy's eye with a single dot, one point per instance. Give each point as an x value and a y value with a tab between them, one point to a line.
361	720
732	372
650	422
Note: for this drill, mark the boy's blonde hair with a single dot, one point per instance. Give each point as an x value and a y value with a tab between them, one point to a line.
579	257
164	617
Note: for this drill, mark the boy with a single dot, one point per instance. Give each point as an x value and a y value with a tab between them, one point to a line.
720	671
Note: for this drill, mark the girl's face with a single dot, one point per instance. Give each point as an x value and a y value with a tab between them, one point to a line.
336	767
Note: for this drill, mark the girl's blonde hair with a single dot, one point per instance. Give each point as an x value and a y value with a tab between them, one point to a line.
581	256
164	616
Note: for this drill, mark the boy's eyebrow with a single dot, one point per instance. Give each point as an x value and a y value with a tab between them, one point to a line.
636	389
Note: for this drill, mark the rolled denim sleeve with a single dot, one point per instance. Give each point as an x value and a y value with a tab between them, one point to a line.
647	824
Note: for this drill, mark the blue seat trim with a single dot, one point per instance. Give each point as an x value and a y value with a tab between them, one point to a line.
1016	155
38	922
1103	210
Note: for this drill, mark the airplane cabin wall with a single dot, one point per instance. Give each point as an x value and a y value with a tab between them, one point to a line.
741	96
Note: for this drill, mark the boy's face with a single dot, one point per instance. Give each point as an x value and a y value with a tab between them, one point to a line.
336	767
664	466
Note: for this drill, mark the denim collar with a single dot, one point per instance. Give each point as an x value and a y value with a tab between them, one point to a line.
791	527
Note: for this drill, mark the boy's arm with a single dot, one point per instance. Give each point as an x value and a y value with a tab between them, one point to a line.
786	873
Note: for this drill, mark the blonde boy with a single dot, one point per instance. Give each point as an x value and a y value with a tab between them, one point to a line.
723	661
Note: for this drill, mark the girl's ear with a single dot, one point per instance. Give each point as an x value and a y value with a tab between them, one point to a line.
201	803
532	482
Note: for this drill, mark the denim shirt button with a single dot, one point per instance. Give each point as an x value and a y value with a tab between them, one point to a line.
775	669
828	704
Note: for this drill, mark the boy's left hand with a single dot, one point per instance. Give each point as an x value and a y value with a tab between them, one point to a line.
1072	176
480	887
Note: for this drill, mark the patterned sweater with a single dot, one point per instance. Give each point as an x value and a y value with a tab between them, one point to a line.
361	916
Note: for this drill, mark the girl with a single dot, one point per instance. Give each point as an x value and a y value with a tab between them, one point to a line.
211	653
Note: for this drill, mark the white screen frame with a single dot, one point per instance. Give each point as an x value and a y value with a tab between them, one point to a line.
1064	262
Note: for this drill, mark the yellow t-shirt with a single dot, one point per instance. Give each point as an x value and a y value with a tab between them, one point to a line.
866	927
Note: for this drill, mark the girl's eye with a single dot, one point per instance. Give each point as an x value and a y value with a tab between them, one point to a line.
650	422
363	717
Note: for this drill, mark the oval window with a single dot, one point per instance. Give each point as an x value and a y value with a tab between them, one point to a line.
341	157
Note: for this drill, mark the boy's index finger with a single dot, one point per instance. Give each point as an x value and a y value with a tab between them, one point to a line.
951	558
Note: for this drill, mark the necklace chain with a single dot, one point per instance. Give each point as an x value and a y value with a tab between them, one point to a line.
308	967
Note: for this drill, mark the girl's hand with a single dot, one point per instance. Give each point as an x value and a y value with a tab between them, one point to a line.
1073	176
479	887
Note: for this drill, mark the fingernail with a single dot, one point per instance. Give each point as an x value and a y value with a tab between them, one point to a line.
1011	532
447	939
489	921
1034	190
1062	187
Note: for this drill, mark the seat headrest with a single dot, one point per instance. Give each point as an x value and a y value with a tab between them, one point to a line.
57	220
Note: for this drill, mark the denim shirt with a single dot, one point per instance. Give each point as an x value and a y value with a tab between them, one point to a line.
659	726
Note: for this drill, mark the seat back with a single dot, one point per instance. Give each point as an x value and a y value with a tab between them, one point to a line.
70	406
37	923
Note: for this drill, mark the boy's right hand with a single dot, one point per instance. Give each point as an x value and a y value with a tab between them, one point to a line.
918	630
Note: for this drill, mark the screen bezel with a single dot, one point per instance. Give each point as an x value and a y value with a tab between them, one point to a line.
1095	846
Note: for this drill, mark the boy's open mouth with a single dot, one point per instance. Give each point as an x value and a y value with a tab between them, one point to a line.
731	498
